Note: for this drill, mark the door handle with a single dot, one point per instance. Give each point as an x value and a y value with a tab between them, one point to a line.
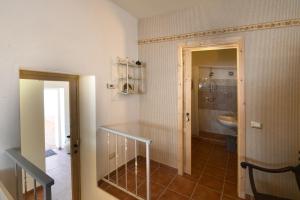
187	116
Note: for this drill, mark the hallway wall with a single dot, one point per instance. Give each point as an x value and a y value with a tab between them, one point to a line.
272	84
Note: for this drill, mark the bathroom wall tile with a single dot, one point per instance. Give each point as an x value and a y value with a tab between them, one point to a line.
223	98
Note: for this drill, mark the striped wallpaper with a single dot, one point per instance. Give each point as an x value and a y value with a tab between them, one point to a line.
272	70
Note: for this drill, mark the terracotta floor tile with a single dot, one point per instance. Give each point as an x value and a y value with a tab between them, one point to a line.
220	154
221	148
170	195
131	181
160	177
204	193
228	198
225	197
233	155
30	195
141	167
212	167
155	164
103	185
230	190
214	171
198	164
204	146
182	185
202	150
140	161
211	182
195	175
113	176
232	178
156	190
232	169
221	163
118	193
142	170
121	171
168	170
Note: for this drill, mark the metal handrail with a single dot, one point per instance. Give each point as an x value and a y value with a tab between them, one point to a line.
127	135
113	130
36	173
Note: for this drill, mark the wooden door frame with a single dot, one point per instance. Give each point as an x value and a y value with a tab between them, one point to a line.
74	119
215	44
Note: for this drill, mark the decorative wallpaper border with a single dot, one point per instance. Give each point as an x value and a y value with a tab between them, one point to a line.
244	28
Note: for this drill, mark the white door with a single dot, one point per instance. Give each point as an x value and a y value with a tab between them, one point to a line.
32	123
187	101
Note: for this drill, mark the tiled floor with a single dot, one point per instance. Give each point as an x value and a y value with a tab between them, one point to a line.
214	176
58	167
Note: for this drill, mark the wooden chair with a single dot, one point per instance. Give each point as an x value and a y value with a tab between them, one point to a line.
261	196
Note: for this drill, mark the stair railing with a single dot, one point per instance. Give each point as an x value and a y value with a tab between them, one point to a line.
28	168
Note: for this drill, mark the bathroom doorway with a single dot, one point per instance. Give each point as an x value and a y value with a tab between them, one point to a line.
211	112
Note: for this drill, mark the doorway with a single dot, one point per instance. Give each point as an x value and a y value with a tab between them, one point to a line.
57	133
50	131
186	103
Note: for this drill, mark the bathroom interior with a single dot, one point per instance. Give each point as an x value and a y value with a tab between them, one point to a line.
214	113
214	96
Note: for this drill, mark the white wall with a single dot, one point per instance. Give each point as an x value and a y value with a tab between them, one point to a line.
72	36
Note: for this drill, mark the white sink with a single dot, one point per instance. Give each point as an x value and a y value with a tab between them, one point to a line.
228	120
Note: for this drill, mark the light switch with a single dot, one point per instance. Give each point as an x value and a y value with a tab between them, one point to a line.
255	124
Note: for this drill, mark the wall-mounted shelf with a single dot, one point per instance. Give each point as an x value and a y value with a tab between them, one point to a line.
130	76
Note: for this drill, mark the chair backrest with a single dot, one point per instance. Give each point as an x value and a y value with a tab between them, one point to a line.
251	167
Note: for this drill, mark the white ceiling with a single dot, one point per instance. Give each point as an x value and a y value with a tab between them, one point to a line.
148	8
